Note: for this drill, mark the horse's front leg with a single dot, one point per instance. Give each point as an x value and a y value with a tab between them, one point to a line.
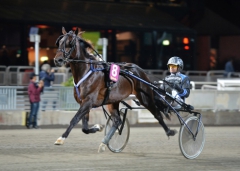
83	110
93	129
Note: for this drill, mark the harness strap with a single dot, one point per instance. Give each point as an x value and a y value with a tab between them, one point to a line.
79	82
95	69
92	69
108	84
106	95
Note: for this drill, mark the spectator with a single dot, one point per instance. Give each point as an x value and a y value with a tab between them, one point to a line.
47	76
34	91
229	66
44	62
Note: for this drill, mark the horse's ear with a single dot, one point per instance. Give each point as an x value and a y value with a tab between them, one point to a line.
79	30
63	31
80	33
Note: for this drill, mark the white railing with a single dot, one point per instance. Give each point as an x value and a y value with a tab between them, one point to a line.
61	98
54	98
228	84
19	76
201	84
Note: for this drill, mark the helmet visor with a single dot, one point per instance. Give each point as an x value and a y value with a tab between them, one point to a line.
172	66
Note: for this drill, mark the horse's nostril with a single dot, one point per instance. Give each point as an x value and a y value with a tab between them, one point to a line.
58	60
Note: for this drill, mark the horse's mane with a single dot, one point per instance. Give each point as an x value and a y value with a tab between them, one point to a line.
84	44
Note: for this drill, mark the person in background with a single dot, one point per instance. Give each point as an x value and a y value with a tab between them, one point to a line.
47	76
229	67
34	91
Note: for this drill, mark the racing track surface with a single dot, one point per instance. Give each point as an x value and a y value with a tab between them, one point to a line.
148	149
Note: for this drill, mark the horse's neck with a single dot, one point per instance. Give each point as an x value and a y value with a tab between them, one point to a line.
79	70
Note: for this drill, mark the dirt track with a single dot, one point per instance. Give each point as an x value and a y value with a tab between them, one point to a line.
148	149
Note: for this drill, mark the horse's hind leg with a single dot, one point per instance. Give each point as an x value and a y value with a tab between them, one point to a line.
93	129
148	102
159	117
157	114
115	116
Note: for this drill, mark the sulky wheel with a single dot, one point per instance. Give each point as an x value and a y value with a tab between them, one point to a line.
190	147
118	142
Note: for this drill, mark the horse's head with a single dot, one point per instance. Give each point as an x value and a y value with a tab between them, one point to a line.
70	46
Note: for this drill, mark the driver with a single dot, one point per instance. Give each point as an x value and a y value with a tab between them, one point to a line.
176	84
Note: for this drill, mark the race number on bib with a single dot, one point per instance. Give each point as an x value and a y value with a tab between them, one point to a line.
114	72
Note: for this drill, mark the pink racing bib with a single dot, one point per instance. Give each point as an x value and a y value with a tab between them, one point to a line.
114	72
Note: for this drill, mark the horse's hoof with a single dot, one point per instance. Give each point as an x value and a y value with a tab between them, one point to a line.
102	148
171	132
60	141
99	127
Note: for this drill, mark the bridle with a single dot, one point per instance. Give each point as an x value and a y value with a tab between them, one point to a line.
73	45
67	54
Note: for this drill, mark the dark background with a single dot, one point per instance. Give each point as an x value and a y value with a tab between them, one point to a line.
212	27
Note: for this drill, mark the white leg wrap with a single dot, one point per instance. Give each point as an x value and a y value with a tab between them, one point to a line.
101	148
109	135
60	141
99	127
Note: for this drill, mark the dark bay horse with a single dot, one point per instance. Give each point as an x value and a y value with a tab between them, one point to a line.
91	77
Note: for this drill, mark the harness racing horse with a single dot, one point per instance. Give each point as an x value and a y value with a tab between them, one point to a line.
90	78
96	127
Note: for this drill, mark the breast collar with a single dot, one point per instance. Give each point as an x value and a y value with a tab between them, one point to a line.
91	70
